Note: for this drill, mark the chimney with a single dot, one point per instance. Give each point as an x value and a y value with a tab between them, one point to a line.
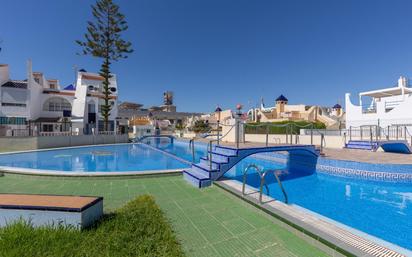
4	73
402	82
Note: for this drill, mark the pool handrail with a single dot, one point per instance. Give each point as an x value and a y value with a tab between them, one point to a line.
262	181
259	171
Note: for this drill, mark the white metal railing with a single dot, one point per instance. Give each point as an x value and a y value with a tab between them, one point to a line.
106	133
392	104
53	134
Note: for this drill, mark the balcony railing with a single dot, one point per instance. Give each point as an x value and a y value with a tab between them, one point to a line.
370	108
389	105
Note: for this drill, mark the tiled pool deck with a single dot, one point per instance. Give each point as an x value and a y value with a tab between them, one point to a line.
209	222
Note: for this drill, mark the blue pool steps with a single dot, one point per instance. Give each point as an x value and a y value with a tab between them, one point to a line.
224	158
362	145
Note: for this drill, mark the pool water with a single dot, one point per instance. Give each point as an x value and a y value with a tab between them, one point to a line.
178	148
381	209
110	158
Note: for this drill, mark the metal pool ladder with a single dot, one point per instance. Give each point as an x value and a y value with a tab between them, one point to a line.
262	175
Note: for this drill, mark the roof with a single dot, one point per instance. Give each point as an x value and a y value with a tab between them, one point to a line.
386	92
16	84
130	105
92	77
337	106
282	98
156	114
70	87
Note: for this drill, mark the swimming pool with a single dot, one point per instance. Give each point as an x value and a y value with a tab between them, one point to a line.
378	208
381	209
108	158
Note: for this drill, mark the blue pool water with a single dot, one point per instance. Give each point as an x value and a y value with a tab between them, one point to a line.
380	209
178	148
111	158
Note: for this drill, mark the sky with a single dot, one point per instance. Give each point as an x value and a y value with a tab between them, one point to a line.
223	52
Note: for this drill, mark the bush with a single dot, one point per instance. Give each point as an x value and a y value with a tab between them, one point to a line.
201	126
137	229
281	128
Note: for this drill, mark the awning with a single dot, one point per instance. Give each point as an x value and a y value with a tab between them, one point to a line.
386	92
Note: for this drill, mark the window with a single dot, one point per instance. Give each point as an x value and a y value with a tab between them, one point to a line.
57	104
91	107
52	86
37	80
13	104
12	121
47	128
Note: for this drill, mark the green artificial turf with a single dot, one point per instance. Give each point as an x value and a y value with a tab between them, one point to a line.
137	229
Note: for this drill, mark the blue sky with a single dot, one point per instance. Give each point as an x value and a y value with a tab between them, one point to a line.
223	52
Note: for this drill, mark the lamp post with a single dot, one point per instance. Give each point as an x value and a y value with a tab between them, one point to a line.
154	121
218	111
239	114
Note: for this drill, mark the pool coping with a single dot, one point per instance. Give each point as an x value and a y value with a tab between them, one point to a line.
337	236
58	173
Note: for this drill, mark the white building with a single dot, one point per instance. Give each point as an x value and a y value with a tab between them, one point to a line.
384	107
39	105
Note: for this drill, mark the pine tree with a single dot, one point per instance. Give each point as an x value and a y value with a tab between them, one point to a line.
103	40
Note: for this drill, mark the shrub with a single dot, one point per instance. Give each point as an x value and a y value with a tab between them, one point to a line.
280	127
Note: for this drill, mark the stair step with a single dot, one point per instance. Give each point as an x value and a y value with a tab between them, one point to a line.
355	142
205	162
218	162
362	147
225	151
196	178
219	157
204	166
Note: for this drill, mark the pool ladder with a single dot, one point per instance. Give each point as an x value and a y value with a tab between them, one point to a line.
262	174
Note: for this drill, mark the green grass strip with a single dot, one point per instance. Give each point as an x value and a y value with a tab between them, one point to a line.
137	229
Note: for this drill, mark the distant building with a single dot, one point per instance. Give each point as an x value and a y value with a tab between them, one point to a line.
283	111
38	105
143	120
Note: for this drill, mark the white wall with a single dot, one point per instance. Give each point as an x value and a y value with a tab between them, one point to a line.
4	73
401	114
14	95
31	143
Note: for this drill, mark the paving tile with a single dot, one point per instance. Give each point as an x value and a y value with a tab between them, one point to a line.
233	247
207	222
206	251
238	226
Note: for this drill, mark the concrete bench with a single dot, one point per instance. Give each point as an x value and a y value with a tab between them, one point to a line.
50	210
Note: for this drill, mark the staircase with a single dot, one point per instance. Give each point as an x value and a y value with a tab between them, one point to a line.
362	145
203	173
224	158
